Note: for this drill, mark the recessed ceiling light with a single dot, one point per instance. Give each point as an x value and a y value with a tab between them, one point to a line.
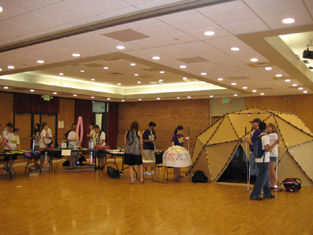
287	80
305	92
92	97
76	55
162	72
254	59
235	94
132	64
92	79
158	98
82	71
279	75
136	74
235	48
0	69
268	68
161	80
211	96
40	61
254	91
178	97
120	47
209	33
203	73
123	100
105	67
1	9
185	78
156	57
11	67
295	85
55	93
6	87
288	21
139	82
262	93
32	90
74	94
139	99
233	83
61	74
108	98
183	66
300	88
245	87
220	79
188	97
119	83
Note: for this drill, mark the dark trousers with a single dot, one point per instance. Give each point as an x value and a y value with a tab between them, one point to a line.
262	181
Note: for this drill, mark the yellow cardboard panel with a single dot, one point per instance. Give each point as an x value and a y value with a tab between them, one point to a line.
197	149
245	147
291	135
295	121
288	168
303	155
206	135
224	133
252	110
201	164
219	157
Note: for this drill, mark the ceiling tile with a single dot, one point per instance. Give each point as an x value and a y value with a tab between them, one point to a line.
221	7
35	4
14	29
157	30
192	23
176	38
155	3
126	35
10	10
219	32
300	19
247	27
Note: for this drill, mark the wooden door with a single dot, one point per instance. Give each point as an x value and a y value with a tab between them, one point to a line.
23	121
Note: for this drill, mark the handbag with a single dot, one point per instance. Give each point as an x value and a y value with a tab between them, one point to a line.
292	184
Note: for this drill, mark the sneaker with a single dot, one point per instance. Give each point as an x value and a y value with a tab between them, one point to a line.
152	172
146	173
258	198
271	196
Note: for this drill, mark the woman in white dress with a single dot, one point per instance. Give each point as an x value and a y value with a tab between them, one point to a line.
73	144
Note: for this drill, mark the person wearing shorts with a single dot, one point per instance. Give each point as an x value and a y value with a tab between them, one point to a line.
149	138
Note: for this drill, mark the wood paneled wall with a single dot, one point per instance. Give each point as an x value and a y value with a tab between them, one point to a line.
302	105
66	114
6	110
167	115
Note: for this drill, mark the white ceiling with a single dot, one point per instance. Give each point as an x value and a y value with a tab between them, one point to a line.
172	37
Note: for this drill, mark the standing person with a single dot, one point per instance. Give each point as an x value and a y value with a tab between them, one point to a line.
65	136
178	139
73	144
100	142
133	142
43	143
149	138
262	163
1	139
5	135
250	140
14	143
49	137
90	136
36	136
273	136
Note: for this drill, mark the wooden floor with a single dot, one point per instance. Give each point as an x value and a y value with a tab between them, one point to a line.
85	202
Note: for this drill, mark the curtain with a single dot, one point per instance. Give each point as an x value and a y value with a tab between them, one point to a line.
84	108
26	103
112	125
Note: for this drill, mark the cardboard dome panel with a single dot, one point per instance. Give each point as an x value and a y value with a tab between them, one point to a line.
207	134
291	135
241	122
288	168
302	154
202	164
224	133
218	162
197	149
254	110
245	147
295	121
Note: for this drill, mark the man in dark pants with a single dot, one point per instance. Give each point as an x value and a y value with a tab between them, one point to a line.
262	181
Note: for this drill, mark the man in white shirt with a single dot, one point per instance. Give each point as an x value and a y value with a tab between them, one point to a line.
49	137
100	142
5	135
262	181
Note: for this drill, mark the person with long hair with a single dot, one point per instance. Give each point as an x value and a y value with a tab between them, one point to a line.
43	145
149	138
178	139
73	144
133	142
273	136
36	136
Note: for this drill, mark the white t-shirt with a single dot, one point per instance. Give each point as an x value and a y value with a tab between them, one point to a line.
42	135
5	135
272	137
13	141
266	156
102	137
72	139
48	134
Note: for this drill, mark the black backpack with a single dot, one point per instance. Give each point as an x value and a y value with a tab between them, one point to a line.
199	177
258	152
113	173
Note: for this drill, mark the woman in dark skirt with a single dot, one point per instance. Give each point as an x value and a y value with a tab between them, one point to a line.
133	142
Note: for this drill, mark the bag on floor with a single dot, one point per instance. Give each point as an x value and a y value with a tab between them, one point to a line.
199	177
292	184
66	163
113	173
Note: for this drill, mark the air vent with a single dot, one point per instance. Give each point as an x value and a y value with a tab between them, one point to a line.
116	73
265	88
93	65
196	59
126	35
238	78
152	70
260	64
111	59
